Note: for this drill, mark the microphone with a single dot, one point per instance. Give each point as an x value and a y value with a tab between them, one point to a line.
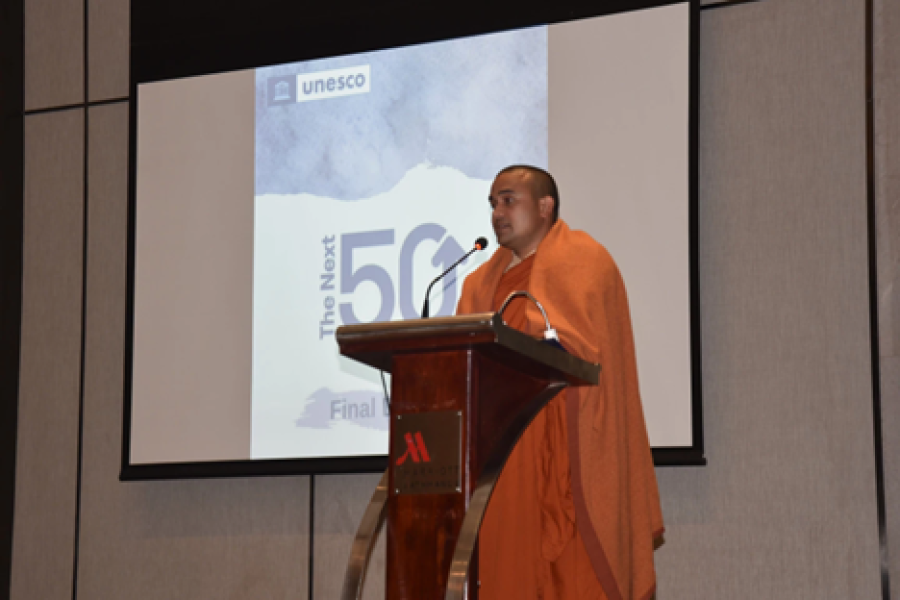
480	244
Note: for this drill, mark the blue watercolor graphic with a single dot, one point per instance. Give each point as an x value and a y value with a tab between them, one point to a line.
324	408
476	104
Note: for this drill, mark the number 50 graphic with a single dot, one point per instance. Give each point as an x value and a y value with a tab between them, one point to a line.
353	246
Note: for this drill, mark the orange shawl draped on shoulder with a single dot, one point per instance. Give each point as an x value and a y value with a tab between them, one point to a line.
613	485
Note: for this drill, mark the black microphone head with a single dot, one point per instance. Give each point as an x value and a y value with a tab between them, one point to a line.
481	243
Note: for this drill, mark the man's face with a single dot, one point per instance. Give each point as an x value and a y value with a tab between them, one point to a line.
520	220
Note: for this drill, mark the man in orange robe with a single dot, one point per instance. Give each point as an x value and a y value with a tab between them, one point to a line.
575	513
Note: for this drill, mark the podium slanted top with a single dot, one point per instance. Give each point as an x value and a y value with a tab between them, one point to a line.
374	344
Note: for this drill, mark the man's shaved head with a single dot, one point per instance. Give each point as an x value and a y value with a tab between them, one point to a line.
541	183
524	204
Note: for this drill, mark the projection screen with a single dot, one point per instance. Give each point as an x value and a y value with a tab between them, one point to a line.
272	205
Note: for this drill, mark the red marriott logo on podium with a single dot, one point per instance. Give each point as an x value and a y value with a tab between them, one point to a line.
420	469
415	448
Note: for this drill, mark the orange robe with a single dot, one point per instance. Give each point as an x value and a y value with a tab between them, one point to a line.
612	484
529	547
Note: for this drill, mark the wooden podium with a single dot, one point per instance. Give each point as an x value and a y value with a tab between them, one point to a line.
463	390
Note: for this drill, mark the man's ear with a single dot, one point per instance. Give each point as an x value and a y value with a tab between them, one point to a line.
545	206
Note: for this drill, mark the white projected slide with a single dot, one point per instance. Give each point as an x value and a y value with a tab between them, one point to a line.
364	194
275	205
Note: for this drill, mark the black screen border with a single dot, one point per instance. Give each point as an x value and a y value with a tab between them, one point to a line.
281	32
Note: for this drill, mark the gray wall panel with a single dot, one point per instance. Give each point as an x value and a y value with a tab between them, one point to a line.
890	397
887	206
786	508
240	538
108	51
44	526
54	51
340	503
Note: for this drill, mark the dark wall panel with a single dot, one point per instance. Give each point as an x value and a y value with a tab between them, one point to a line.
11	163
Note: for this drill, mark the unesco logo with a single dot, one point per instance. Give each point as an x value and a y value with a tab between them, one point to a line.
281	90
320	85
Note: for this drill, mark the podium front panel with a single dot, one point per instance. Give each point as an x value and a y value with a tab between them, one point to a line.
422	528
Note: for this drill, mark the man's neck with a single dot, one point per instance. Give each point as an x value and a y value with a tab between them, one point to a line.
516	259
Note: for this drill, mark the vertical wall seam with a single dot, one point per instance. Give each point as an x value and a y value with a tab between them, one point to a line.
312	531
84	279
875	344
